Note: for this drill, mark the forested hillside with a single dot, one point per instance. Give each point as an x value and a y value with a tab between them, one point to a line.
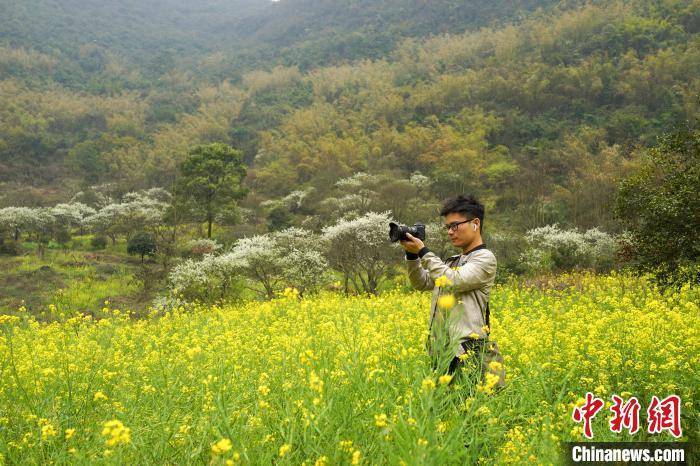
539	104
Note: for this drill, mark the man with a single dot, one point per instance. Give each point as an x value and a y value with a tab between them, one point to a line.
459	326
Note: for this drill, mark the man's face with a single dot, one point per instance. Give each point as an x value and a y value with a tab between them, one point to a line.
462	235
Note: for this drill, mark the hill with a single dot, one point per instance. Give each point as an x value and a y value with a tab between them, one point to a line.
523	102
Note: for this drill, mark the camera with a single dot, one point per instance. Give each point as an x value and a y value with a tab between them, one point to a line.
398	232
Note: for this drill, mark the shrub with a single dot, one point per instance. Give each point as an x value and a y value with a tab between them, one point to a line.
201	246
9	247
98	242
142	243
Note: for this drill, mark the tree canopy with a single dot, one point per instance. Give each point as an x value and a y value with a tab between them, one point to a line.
210	181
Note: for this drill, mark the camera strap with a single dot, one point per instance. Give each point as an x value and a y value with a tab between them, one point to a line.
487	317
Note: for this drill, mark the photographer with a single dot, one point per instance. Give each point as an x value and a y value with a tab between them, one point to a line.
459	325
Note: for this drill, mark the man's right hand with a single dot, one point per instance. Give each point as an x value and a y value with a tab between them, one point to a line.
412	244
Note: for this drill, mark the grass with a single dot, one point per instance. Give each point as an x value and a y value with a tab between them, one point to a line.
70	279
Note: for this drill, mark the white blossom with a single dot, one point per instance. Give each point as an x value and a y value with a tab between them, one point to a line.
357	180
419	180
17	218
73	214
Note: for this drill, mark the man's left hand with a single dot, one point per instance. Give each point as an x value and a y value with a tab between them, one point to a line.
412	244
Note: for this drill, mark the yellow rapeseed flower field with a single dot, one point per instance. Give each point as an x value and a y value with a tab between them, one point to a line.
340	380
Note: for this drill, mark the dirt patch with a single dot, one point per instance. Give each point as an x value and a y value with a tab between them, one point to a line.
29	286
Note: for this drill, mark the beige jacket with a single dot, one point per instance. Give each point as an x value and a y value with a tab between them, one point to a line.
472	276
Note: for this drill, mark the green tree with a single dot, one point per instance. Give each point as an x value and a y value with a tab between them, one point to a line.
210	181
660	206
141	243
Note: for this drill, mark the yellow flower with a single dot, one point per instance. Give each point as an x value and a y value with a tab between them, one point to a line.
7	319
486	385
116	433
446	301
445	379
48	431
98	396
315	382
495	366
422	442
443	281
322	461
284	449
380	420
69	433
427	384
356	457
221	447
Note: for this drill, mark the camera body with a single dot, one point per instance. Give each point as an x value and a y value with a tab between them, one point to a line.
397	232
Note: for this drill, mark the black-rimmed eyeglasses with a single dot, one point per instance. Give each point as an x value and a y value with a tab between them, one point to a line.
453	226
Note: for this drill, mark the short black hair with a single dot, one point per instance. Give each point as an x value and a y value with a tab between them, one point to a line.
469	206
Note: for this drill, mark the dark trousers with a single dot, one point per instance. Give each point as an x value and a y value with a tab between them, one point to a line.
468	367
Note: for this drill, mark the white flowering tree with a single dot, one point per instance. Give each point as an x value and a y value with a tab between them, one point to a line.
15	220
553	248
285	258
603	247
38	223
209	279
137	211
361	250
72	215
108	220
268	262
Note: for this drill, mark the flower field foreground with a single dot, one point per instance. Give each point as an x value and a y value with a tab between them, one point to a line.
340	380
